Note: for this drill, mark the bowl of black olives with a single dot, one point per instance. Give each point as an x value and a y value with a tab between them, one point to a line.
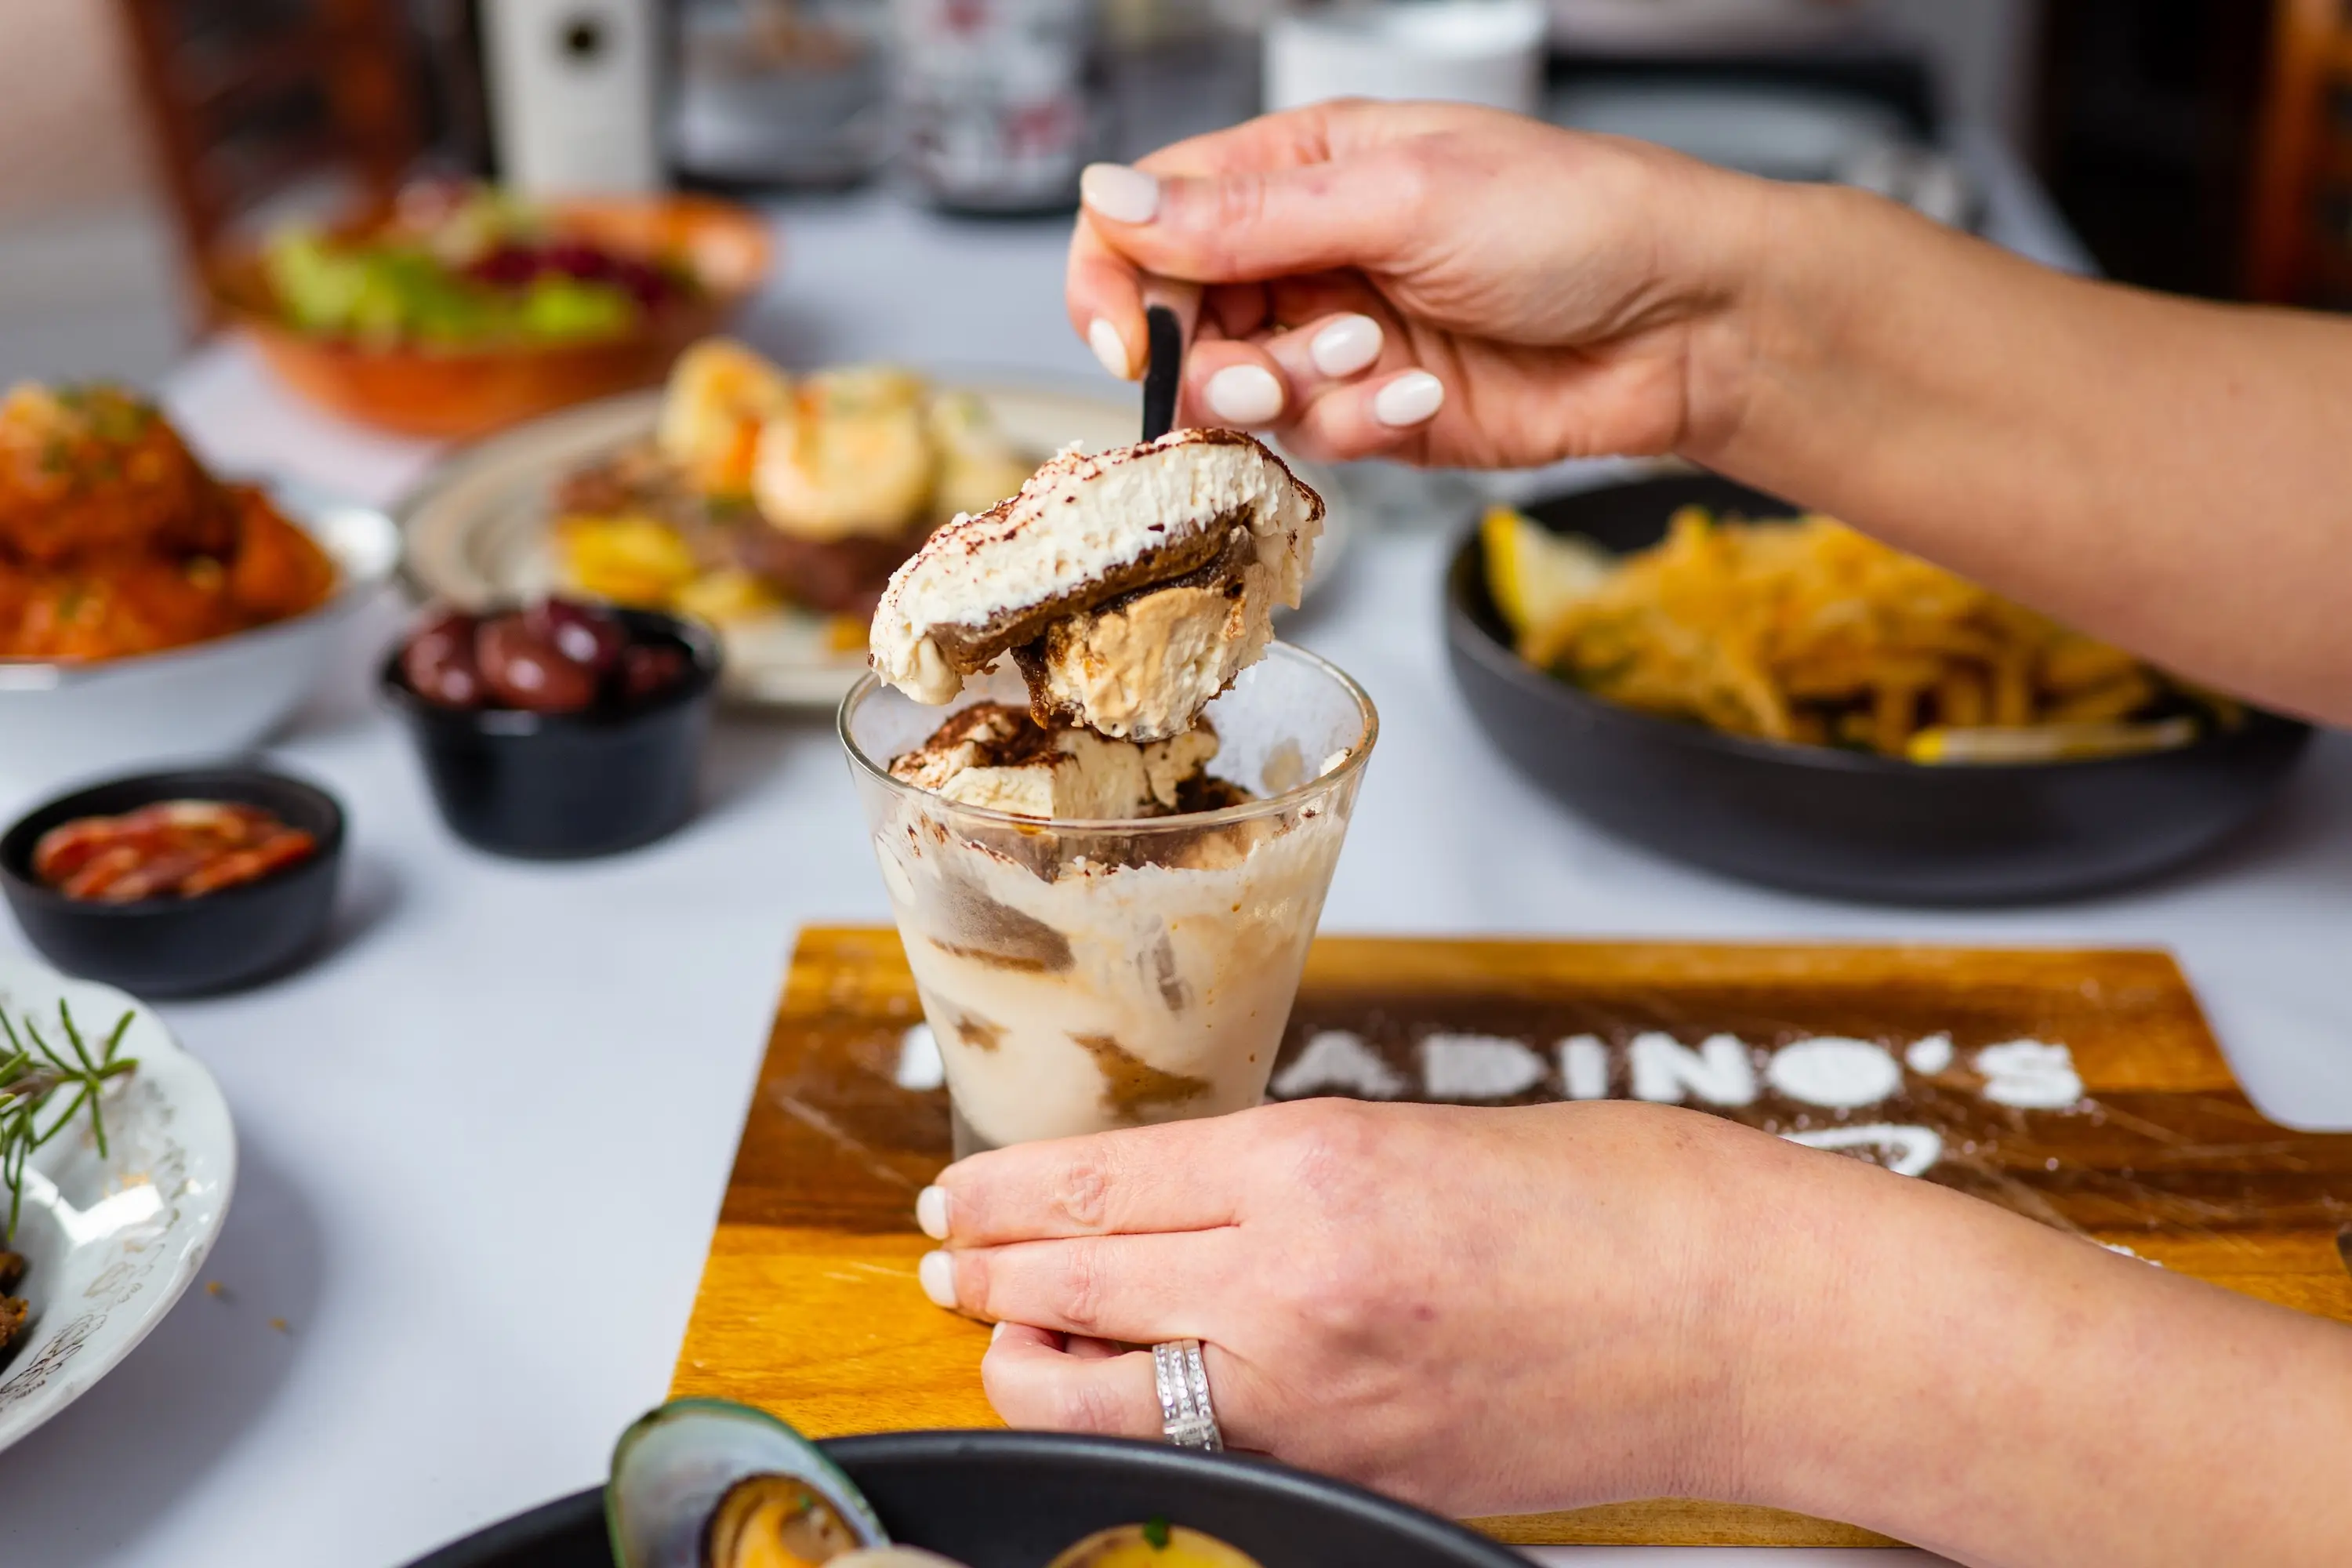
559	730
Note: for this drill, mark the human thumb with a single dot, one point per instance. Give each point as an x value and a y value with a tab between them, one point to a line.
1245	225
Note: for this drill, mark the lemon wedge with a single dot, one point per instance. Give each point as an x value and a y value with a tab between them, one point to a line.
1534	574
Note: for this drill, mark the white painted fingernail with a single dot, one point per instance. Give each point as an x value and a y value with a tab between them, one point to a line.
932	1212
997	1332
1346	346
1120	194
1409	399
937	1271
1244	395
1109	346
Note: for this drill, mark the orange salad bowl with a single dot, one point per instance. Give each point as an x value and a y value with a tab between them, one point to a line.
460	393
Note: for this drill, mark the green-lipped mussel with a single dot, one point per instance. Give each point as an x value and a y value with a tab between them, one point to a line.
703	1483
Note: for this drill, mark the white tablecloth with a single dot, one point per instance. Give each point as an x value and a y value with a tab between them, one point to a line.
485	1137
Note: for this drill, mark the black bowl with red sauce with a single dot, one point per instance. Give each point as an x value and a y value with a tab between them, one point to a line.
174	945
606	773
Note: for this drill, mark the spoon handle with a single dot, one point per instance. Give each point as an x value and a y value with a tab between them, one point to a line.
1162	371
1169	310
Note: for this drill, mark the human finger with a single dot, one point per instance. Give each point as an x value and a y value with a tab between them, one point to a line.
1275	386
1105	299
1232	383
1250	224
1104	296
1135	1288
1305	296
1313	133
1178	1175
1318	356
1033	1381
1272	382
1366	418
1235	309
1103	290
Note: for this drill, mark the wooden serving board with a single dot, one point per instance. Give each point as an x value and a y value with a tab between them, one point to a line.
2082	1089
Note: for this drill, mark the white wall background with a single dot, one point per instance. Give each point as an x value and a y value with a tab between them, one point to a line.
69	134
86	272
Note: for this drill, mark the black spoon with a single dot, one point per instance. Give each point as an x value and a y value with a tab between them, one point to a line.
1163	369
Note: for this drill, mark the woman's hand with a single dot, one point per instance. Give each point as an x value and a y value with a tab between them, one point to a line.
1495	1310
1451	285
1480	1310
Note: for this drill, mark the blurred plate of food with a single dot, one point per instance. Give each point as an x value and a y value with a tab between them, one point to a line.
772	507
1698	668
149	609
462	310
108	1233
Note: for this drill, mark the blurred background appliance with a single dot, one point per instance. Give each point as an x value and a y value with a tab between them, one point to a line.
1458	51
780	93
575	94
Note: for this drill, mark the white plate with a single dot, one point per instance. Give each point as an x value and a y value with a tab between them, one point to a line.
68	721
112	1242
478	531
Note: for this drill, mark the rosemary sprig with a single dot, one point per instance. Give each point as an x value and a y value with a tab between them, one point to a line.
32	1080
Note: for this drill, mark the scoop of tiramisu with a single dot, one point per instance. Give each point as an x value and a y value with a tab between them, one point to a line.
1131	587
996	755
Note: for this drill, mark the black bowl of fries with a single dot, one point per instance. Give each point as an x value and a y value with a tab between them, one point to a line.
1693	667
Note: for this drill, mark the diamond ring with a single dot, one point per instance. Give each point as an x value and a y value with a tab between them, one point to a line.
1186	1417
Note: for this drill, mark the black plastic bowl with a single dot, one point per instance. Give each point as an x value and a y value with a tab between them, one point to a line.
1821	820
567	787
182	947
1014	1499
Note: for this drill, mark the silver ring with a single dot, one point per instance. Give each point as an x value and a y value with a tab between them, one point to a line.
1186	1417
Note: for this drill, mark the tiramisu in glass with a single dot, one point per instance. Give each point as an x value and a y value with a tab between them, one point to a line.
1108	861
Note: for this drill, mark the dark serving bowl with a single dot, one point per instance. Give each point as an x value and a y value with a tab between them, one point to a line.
566	786
182	947
1013	1499
1821	820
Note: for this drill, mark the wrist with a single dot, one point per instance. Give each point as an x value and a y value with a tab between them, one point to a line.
1769	1295
1779	259
1850	1269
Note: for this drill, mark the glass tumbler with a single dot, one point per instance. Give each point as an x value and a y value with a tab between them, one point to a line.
1087	975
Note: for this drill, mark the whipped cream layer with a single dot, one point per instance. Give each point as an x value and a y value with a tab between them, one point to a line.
1085	530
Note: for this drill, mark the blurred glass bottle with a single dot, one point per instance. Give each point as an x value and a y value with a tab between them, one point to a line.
998	101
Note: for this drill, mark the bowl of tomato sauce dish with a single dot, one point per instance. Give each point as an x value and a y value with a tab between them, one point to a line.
177	884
